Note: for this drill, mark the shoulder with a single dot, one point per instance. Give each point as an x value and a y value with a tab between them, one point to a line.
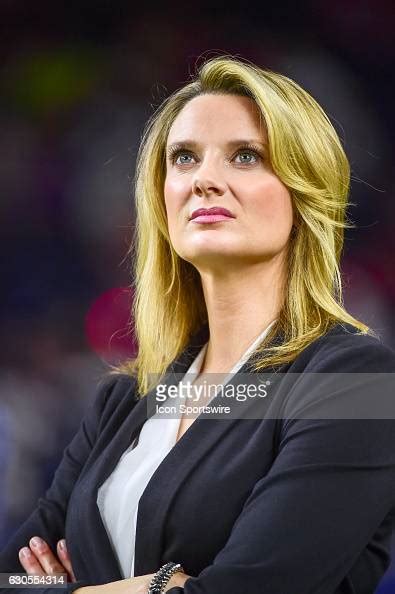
344	349
342	375
114	391
114	387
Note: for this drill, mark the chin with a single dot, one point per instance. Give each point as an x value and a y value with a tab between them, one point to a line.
210	257
209	245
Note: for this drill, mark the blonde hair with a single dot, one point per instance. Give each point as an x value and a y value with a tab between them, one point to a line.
307	156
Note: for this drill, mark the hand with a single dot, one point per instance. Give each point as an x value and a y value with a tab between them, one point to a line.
40	560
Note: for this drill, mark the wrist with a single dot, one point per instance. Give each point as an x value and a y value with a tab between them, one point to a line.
177	579
162	580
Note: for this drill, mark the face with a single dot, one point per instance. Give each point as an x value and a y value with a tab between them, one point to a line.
217	158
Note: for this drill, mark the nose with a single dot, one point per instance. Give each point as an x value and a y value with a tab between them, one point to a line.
206	182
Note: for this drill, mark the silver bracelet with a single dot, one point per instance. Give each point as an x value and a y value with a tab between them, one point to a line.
162	576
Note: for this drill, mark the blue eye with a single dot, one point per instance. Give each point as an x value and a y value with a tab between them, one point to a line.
180	158
252	157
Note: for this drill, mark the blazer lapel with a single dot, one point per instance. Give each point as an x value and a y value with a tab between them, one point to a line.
104	567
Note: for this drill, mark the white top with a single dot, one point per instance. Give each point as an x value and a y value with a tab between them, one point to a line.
118	497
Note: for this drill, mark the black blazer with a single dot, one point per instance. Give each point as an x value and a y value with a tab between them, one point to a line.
276	505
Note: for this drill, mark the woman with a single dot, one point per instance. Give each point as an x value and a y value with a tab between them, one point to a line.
241	192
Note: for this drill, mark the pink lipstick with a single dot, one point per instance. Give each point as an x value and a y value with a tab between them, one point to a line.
211	215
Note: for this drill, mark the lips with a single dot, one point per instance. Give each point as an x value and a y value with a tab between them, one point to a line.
215	211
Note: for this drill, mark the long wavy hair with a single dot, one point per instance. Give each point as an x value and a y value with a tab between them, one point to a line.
306	154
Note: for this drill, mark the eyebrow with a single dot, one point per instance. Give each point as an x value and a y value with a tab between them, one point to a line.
192	144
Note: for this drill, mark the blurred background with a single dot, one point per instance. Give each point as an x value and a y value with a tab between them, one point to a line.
78	81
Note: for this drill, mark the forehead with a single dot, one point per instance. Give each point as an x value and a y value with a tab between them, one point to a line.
214	115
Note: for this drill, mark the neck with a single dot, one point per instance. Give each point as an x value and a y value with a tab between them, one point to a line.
240	306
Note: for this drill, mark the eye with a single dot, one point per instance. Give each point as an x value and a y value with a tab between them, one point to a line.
247	157
181	158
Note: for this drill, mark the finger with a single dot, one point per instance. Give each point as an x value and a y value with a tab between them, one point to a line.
45	556
29	562
65	559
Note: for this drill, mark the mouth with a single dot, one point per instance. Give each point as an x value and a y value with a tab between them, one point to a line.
211	215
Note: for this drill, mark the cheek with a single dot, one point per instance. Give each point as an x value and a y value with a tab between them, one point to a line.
272	204
174	193
175	197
